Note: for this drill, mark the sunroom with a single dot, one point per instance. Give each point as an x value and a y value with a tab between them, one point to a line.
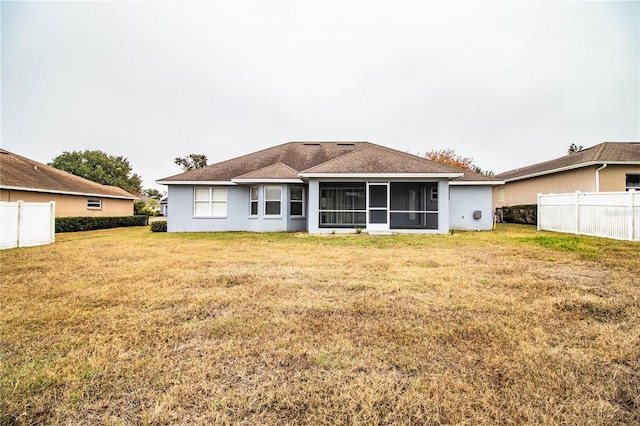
376	206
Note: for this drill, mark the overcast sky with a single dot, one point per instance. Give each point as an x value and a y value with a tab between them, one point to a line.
506	83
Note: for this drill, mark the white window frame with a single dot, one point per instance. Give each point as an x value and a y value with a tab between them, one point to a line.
268	200
214	201
300	201
252	201
94	204
433	193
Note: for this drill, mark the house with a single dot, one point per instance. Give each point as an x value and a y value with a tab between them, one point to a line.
606	167
164	206
27	180
326	187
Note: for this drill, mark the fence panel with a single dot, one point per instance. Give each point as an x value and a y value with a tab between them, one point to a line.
600	214
559	213
26	224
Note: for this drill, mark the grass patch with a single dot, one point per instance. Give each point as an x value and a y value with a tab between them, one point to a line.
127	326
586	247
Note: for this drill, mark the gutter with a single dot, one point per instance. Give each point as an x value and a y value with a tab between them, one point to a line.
604	166
55	191
566	168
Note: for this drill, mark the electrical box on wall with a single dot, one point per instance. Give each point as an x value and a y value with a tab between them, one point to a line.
477	214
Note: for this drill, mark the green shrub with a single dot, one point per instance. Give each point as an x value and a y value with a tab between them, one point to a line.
159	226
87	223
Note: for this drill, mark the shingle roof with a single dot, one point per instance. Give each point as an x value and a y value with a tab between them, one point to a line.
297	155
380	159
286	161
274	171
18	172
606	152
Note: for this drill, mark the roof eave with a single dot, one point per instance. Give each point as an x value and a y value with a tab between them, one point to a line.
276	180
53	191
476	182
572	167
195	182
382	175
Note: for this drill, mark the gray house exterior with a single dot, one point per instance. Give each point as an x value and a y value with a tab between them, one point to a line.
329	187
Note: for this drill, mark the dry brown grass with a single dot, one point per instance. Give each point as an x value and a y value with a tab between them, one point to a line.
509	327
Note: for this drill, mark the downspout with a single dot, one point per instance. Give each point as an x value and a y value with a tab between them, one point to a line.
604	166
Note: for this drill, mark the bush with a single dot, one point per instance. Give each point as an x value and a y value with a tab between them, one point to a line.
525	214
159	226
88	223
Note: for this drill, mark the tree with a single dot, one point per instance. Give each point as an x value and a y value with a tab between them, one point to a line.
449	157
153	193
101	168
191	161
573	148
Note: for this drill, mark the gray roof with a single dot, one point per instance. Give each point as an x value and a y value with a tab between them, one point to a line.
289	160
606	152
21	173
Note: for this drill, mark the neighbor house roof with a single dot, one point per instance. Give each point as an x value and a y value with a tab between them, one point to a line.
293	160
23	174
604	153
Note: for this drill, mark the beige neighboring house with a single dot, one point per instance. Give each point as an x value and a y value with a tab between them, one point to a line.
22	179
606	167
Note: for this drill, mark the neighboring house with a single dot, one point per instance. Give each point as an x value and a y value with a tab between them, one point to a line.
606	167
164	206
27	180
151	205
326	187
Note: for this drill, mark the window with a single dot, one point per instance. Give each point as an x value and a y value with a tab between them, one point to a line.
502	194
253	201
633	182
343	205
272	200
296	201
210	202
94	204
434	193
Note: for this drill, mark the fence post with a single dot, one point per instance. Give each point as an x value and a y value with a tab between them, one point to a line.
576	221
52	213
538	212
631	215
19	227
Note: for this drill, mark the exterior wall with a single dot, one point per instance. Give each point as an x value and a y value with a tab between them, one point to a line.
464	201
238	218
526	191
72	205
612	178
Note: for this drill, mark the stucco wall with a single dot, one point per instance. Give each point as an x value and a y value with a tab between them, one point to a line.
72	205
464	201
526	191
612	178
181	218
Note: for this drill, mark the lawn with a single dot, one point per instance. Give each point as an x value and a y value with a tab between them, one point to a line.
126	326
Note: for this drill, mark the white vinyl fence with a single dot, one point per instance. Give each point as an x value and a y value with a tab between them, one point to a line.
24	224
600	214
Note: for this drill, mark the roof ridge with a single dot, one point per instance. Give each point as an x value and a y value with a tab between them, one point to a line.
598	153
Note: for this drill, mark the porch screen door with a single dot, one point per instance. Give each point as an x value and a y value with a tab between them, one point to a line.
378	207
